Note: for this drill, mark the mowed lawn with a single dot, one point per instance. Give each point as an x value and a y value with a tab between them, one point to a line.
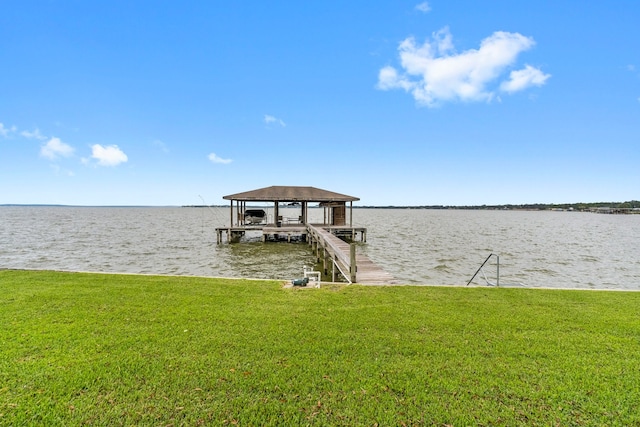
102	349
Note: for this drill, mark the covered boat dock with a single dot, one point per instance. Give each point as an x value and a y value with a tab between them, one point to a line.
336	216
329	239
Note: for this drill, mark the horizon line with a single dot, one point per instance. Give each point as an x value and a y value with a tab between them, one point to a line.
422	206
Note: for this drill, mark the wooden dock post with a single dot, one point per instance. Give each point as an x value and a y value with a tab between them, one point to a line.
324	260
333	268
352	265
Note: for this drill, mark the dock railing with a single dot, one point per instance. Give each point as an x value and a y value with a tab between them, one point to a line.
342	258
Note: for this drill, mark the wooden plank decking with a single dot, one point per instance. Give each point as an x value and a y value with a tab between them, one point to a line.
360	269
366	272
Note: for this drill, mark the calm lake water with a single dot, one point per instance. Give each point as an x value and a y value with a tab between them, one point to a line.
440	247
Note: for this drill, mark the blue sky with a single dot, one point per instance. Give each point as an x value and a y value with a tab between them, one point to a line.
395	102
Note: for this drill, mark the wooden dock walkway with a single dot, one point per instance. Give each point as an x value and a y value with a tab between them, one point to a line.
338	256
357	268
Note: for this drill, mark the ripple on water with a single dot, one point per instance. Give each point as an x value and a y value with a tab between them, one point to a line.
415	246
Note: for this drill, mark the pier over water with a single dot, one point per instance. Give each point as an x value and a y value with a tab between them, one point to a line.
331	240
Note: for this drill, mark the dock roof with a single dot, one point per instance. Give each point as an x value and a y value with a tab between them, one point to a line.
278	193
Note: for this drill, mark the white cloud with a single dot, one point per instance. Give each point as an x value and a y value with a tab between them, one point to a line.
55	148
216	159
4	132
423	7
523	79
109	155
388	78
270	119
33	135
434	73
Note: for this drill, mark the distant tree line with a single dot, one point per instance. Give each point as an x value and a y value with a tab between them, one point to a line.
530	206
632	204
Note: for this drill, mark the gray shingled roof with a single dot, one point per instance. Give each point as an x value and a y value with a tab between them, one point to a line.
278	193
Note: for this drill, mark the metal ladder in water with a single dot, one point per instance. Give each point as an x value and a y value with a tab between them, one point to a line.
485	276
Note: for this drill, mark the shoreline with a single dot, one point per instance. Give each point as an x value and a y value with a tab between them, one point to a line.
253	279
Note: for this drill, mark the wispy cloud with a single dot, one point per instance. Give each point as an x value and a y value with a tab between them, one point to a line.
55	148
633	69
109	155
423	7
60	171
268	119
35	134
4	131
523	79
161	145
217	159
435	73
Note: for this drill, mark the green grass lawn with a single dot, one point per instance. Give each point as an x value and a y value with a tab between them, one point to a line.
100	349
